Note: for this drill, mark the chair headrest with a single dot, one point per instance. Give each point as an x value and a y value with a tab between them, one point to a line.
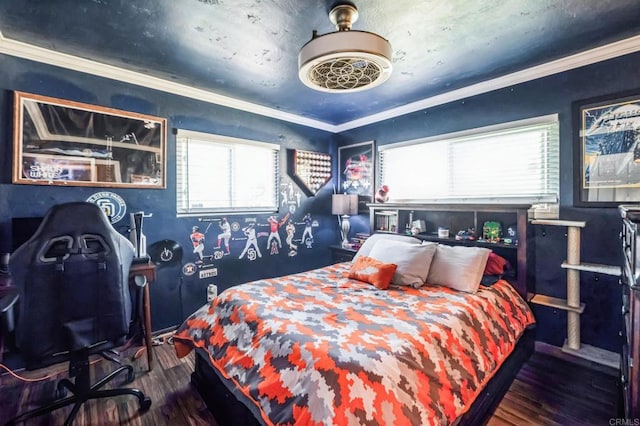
74	228
75	218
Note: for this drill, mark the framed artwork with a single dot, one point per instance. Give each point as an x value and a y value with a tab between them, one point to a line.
60	142
356	172
607	151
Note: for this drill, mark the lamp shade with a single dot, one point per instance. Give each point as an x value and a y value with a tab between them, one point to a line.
342	204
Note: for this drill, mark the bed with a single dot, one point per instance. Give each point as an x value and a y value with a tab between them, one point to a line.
319	347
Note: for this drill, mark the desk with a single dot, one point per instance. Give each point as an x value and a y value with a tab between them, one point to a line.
147	270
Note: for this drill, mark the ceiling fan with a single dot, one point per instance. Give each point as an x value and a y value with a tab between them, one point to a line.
346	60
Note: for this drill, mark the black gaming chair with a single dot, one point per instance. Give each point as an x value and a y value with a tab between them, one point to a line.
74	301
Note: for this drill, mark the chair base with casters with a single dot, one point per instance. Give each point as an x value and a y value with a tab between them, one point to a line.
82	390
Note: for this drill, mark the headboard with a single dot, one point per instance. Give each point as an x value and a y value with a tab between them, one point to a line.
399	218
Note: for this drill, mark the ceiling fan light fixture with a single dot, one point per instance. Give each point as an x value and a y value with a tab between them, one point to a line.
345	61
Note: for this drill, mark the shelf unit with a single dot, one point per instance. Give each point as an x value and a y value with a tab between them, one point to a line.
398	218
572	304
310	170
630	283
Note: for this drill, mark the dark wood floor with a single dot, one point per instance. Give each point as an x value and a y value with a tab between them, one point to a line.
547	391
174	401
550	390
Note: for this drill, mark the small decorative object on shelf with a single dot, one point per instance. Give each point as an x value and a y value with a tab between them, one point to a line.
443	232
382	196
358	240
419	226
468	235
512	235
492	231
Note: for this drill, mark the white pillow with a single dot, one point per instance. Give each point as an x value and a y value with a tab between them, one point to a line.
413	260
365	249
458	267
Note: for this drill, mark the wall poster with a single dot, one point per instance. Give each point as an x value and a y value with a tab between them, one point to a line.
356	172
607	151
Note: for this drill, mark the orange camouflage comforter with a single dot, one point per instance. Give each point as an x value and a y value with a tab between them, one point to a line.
318	348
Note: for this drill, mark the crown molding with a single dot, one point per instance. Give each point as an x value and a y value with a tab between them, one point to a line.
74	63
587	57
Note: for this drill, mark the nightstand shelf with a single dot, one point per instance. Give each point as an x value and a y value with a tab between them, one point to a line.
340	254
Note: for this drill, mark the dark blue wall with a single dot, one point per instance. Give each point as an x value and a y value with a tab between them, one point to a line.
174	295
555	94
600	244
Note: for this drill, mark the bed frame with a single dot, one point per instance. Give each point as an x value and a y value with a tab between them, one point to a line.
230	407
220	394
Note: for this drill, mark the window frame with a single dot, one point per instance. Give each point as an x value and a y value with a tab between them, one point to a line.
551	120
182	200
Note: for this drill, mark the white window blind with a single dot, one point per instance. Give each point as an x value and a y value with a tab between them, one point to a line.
218	174
516	162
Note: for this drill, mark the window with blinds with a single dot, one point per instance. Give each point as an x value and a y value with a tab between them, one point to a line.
516	162
217	174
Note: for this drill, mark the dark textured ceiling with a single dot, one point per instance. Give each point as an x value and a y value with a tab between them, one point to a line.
248	49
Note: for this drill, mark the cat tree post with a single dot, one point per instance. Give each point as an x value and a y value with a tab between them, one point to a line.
572	304
573	287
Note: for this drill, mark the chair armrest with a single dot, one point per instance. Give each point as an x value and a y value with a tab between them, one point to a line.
7	300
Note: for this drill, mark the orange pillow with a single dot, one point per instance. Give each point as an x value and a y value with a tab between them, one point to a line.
372	271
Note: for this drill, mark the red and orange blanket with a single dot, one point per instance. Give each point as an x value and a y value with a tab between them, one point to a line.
318	348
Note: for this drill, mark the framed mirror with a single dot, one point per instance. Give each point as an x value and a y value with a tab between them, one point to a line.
60	142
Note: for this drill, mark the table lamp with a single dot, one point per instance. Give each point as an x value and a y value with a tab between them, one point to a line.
344	205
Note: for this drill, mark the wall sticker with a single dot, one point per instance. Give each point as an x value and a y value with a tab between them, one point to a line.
291	232
290	197
111	204
251	248
274	234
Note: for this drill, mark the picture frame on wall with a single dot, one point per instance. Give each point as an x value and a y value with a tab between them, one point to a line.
62	142
356	173
607	150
